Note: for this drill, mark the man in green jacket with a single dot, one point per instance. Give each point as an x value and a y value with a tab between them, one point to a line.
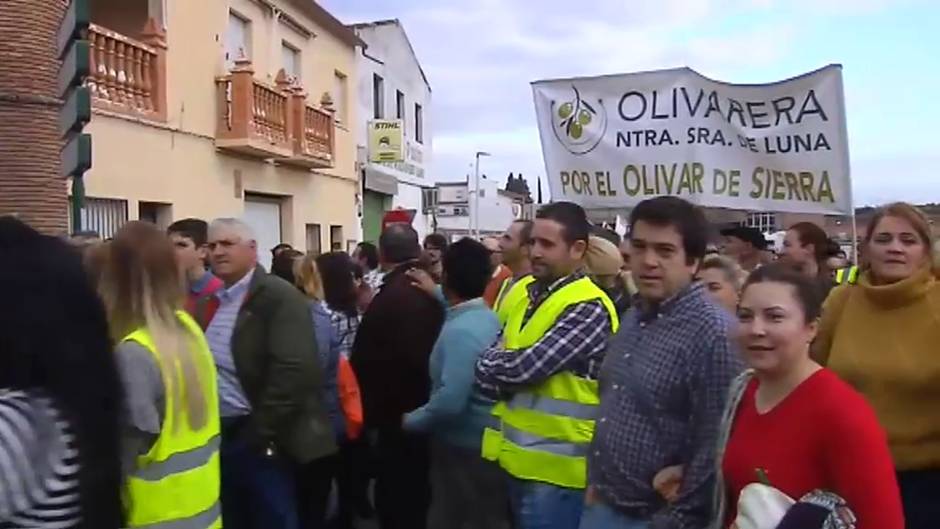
273	419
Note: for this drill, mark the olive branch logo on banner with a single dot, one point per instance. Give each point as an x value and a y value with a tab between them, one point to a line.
578	124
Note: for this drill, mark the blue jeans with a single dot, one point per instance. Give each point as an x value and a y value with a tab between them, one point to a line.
542	506
258	492
601	516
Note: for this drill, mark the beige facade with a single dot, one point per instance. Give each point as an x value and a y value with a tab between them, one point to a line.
194	157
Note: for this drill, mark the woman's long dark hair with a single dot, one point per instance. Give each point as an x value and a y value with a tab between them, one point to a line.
54	337
339	289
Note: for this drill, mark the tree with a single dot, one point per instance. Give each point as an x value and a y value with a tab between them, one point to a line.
520	186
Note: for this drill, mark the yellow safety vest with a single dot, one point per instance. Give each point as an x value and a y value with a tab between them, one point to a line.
509	297
176	484
545	431
847	275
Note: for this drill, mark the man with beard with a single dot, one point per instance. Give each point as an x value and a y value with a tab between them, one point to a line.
544	373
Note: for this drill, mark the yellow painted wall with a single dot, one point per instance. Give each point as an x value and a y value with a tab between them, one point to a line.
177	163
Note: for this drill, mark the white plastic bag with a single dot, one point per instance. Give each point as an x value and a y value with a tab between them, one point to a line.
761	507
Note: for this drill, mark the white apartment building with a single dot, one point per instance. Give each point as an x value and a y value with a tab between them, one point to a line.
392	85
454	210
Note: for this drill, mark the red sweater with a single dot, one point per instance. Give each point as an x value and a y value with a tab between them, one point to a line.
824	435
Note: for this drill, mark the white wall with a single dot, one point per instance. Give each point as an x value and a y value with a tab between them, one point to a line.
407	196
401	71
396	63
495	211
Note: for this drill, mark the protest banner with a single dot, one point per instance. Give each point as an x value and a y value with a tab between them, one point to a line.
613	141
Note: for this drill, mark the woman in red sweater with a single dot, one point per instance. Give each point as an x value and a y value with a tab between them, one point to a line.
797	423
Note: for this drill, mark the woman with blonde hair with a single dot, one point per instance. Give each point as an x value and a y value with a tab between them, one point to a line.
170	449
881	336
328	280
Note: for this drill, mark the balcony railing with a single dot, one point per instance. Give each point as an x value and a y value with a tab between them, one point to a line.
317	139
128	76
275	122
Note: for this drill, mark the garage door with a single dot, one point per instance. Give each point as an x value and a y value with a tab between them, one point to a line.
264	216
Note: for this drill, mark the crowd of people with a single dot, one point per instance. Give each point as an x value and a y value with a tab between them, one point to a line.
560	376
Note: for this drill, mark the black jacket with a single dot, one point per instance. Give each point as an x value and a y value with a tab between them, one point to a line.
392	347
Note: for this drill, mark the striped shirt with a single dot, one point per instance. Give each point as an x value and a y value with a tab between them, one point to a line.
38	464
575	342
232	400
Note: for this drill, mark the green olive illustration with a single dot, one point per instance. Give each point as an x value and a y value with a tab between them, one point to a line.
575	130
584	117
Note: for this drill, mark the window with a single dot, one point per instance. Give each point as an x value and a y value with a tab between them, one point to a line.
290	60
765	222
419	124
428	199
339	96
155	213
378	97
399	104
237	39
336	238
102	215
313	239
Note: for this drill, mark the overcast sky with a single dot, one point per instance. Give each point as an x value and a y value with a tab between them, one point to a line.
481	55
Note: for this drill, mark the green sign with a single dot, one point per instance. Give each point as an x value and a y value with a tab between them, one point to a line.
76	66
76	20
76	155
76	111
75	53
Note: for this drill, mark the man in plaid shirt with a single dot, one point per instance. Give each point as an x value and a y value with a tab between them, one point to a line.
575	343
664	383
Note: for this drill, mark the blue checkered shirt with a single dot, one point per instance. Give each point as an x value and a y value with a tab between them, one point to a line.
575	343
663	388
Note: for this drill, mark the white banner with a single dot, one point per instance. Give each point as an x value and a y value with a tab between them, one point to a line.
613	141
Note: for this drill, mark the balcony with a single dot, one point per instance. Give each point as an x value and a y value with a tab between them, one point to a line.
314	147
128	76
272	122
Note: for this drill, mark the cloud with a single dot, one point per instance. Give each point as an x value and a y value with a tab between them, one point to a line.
878	180
481	56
